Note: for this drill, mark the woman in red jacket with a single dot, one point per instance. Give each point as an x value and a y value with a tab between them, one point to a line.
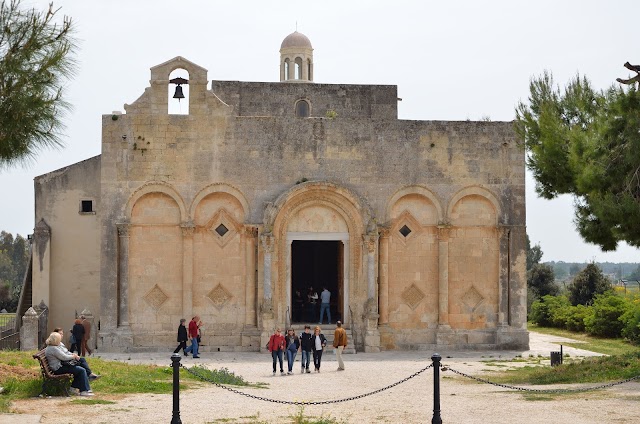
276	347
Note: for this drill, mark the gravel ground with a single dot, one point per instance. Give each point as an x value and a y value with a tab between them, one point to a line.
462	401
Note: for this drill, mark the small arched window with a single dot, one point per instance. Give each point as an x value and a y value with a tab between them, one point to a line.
302	109
298	68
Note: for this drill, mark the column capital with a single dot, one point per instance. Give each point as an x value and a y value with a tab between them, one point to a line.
251	231
370	241
188	228
267	242
384	232
123	229
444	232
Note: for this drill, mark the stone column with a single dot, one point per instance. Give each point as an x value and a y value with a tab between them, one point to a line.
250	235
304	72
267	247
443	276
370	245
29	330
123	274
503	233
383	275
188	229
266	309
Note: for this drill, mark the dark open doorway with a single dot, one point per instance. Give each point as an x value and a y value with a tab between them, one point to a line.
316	264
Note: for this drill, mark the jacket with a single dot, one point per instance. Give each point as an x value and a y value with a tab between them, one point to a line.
295	341
78	332
323	340
276	342
306	342
340	337
182	333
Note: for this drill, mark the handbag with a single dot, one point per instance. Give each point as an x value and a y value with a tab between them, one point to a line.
70	363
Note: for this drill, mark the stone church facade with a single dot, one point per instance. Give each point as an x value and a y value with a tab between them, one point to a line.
262	189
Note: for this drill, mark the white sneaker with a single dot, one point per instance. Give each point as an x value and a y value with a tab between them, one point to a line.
86	394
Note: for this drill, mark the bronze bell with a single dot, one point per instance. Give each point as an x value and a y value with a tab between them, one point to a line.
178	94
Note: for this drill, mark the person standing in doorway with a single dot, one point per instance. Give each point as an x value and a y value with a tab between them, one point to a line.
194	325
87	335
306	347
276	347
318	341
182	338
312	298
325	300
339	343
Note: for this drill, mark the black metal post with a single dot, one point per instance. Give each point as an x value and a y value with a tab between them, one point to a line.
175	363
436	389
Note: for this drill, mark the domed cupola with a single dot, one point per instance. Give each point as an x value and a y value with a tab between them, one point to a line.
296	58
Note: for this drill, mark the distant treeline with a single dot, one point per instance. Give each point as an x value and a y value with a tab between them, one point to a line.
624	270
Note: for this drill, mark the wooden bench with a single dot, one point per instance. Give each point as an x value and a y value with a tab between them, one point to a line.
63	381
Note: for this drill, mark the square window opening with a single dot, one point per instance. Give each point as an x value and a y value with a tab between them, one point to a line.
86	206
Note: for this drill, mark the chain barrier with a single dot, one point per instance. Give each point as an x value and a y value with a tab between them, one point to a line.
322	402
527	389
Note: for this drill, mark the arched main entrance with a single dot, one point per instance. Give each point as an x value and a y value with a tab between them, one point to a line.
316	226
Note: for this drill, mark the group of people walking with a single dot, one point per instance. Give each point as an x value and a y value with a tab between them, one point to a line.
310	345
79	336
193	334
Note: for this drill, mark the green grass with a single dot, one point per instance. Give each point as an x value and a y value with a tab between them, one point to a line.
599	369
5	318
92	402
594	344
25	380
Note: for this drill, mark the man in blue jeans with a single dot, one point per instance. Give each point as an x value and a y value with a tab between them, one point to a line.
306	346
325	300
194	325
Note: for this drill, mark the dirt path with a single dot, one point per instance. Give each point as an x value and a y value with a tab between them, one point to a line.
462	401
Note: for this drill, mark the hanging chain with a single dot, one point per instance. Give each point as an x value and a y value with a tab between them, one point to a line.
527	389
286	402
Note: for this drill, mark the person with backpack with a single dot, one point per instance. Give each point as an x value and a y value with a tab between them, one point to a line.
306	347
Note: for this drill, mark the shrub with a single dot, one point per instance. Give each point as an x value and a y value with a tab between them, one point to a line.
604	319
574	317
547	311
631	322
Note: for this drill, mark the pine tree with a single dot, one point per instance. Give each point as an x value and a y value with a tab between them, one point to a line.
36	58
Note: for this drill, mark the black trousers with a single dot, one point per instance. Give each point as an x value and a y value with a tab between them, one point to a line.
182	345
317	358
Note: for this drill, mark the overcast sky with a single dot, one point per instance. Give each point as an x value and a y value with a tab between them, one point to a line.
451	60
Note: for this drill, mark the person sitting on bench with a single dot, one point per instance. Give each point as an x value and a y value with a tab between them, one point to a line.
81	362
63	363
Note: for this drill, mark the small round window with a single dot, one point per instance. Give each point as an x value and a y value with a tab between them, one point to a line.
302	109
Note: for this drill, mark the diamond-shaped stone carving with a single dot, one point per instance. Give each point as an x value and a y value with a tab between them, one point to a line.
223	227
412	296
219	296
156	297
472	298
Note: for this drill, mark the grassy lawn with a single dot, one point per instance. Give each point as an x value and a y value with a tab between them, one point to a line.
5	318
623	362
20	377
599	369
587	342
